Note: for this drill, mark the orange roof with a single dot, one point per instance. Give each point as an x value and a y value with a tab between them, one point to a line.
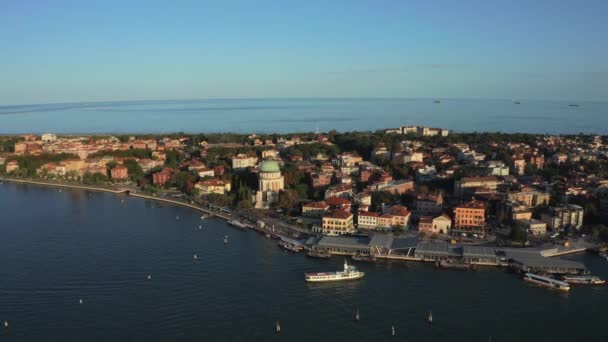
319	205
339	214
472	205
334	200
369	213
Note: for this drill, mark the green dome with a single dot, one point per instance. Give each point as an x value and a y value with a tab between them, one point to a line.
269	166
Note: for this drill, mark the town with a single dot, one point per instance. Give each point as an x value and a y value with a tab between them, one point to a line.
411	192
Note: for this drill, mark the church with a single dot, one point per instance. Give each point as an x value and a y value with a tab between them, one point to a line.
270	183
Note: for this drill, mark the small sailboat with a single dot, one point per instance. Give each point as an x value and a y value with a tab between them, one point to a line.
6	324
80	301
392	330
277	327
195	257
429	319
176	218
226	239
149	277
357	317
200	227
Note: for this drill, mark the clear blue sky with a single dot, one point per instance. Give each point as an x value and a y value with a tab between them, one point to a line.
60	51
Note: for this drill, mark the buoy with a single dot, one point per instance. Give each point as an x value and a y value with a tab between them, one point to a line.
80	301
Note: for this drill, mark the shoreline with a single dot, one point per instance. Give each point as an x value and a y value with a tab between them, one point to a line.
228	218
126	192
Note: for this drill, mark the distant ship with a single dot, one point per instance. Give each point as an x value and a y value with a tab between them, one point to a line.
349	273
573	105
438	101
516	102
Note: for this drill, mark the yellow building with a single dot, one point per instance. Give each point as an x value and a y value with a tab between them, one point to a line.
338	222
213	186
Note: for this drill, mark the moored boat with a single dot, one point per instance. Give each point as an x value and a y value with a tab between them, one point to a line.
237	224
453	265
349	273
318	254
583	279
365	258
290	247
547	282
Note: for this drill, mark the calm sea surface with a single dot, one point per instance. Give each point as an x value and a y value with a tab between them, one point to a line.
304	115
57	247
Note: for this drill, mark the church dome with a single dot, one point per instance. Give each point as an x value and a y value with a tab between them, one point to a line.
269	166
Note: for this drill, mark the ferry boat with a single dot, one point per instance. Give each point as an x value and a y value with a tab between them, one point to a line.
547	282
583	279
349	273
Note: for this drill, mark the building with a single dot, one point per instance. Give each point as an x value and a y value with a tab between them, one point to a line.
314	209
518	166
213	186
119	172
496	168
469	218
425	225
338	222
12	166
511	211
319	180
396	187
531	198
367	220
242	161
535	227
20	147
563	216
49	137
411	157
162	177
429	205
270	183
206	172
468	185
442	224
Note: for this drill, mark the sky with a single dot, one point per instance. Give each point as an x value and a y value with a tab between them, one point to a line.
72	51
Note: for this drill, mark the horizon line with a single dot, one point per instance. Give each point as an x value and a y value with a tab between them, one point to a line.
295	98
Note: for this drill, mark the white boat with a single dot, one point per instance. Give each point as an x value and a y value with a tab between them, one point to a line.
277	328
226	239
583	279
357	317
237	224
547	282
349	273
429	319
